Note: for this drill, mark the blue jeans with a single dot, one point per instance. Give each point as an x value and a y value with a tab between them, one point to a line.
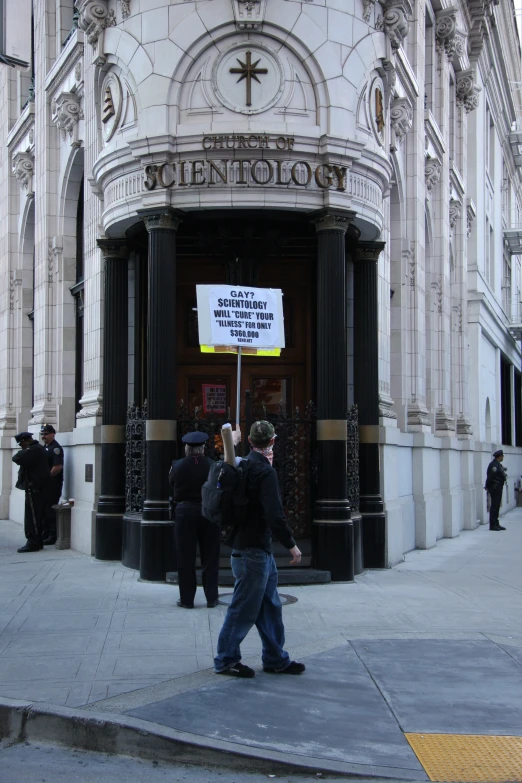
255	601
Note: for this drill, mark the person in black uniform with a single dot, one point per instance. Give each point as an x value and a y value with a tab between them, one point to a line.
186	478
34	478
55	458
495	480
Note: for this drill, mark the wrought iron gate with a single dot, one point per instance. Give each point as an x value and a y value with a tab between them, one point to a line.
135	458
295	455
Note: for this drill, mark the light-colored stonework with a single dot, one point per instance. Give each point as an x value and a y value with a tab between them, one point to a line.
398	111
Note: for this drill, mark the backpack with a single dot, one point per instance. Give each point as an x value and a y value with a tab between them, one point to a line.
224	498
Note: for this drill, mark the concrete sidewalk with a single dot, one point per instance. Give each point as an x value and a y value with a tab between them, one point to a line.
433	646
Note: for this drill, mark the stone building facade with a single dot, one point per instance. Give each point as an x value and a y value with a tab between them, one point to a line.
363	156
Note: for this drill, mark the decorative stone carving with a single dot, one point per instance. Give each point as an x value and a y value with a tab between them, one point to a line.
386	410
368	6
460	44
111	105
395	21
455	211
445	30
444	422
409	261
478	11
14	281
249	14
95	16
401	115
418	416
332	221
464	427
162	221
54	252
66	113
78	71
471	214
23	168
466	90
391	74
432	171
125	8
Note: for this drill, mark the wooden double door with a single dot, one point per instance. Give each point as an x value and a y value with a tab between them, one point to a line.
207	383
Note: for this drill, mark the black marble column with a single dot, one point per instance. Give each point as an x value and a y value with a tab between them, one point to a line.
333	528
157	553
366	367
111	505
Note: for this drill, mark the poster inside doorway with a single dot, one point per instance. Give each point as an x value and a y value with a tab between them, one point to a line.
214	398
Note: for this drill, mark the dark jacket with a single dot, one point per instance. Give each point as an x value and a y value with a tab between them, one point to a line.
496	476
265	515
34	470
55	457
187	476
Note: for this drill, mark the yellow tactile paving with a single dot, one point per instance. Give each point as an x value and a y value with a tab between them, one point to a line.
469	758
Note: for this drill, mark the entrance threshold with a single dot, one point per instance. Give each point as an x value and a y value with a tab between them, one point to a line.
286	576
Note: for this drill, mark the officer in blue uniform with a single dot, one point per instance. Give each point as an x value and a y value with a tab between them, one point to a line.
186	478
55	459
34	478
495	480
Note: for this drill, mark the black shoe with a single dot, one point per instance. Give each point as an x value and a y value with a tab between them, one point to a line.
293	668
501	528
49	541
497	527
239	670
184	606
30	548
212	604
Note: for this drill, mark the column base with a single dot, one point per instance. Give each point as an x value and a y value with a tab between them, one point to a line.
131	541
374	540
334	549
108	536
157	550
418	418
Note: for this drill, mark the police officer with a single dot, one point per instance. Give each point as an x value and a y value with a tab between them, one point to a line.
495	480
55	459
186	478
34	478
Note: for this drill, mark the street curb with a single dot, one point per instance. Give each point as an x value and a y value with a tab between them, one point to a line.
25	721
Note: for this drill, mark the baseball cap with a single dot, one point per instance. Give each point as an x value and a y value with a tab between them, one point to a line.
261	432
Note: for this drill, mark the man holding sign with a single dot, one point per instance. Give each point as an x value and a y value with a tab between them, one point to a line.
256	600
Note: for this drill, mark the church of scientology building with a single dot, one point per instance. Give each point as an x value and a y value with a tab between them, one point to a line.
363	156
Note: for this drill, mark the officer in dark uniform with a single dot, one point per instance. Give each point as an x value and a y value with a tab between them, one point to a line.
34	478
495	480
55	459
186	478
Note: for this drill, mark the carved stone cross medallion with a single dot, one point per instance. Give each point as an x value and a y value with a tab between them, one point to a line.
248	71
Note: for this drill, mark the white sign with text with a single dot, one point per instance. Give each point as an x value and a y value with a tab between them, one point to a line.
240	316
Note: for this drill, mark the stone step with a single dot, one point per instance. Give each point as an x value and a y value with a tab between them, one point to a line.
287	576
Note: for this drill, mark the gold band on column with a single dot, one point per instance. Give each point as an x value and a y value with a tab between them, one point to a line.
331	429
113	433
161	429
368	433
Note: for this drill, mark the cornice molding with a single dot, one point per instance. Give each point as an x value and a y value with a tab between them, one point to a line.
66	61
